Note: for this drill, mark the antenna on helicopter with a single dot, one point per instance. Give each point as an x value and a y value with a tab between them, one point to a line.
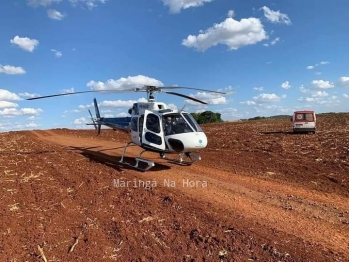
185	104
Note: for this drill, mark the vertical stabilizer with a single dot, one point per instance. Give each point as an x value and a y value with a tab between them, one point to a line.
98	116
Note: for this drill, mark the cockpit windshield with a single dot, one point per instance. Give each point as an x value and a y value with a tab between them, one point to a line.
179	123
192	122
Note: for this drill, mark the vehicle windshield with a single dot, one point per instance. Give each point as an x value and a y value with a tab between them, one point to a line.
179	123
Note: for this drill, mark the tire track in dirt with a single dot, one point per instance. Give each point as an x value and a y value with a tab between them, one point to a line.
310	215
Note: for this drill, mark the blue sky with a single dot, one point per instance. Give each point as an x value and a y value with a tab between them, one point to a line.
271	57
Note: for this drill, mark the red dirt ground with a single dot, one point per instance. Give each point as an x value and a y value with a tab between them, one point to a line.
270	196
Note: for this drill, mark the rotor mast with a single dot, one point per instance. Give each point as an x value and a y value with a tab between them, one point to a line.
151	90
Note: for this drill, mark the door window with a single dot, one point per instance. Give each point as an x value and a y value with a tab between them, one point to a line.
153	123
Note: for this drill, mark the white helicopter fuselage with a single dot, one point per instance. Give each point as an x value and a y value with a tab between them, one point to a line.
153	126
151	129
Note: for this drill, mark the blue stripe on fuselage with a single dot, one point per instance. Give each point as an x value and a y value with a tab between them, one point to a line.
117	121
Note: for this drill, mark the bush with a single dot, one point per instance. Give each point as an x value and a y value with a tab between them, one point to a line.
207	117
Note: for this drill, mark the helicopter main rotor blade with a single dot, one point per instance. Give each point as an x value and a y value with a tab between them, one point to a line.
151	88
80	92
188	97
198	89
146	88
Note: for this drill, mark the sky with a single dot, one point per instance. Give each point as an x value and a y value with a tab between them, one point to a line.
269	57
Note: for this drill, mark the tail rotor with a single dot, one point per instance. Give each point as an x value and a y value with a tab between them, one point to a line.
95	120
98	115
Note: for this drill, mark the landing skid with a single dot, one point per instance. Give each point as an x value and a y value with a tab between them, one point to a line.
192	158
141	163
184	159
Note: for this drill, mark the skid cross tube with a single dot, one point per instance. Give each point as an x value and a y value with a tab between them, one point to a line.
192	159
138	159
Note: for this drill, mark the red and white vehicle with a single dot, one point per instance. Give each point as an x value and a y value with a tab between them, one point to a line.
304	121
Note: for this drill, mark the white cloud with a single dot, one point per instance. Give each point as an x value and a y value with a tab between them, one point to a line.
230	32
86	106
121	103
249	103
124	83
69	90
172	106
345	96
72	111
80	121
22	111
57	53
308	99
7	95
230	113
276	16
11	70
231	13
303	89
316	65
321	84
229	90
32	124
343	81
176	5
320	94
258	88
55	15
123	114
116	103
286	85
25	43
210	98
6	104
265	98
26	94
36	3
90	4
273	42
331	101
319	98
31	111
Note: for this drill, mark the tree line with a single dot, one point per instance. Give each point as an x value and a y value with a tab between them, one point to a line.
207	117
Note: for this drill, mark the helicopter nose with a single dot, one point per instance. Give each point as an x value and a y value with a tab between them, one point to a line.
197	140
202	140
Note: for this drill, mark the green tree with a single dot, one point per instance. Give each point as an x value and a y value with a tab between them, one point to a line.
207	117
257	118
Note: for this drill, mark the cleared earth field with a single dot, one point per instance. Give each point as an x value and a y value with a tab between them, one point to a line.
260	193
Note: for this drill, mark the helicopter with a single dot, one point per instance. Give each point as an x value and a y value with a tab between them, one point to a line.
154	127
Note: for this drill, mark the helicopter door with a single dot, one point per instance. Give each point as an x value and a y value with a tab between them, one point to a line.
153	134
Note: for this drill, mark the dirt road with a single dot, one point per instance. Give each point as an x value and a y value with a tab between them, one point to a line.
279	213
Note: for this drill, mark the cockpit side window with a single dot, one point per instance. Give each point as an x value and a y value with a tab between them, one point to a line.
175	124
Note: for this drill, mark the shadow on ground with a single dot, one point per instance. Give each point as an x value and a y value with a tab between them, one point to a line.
113	161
